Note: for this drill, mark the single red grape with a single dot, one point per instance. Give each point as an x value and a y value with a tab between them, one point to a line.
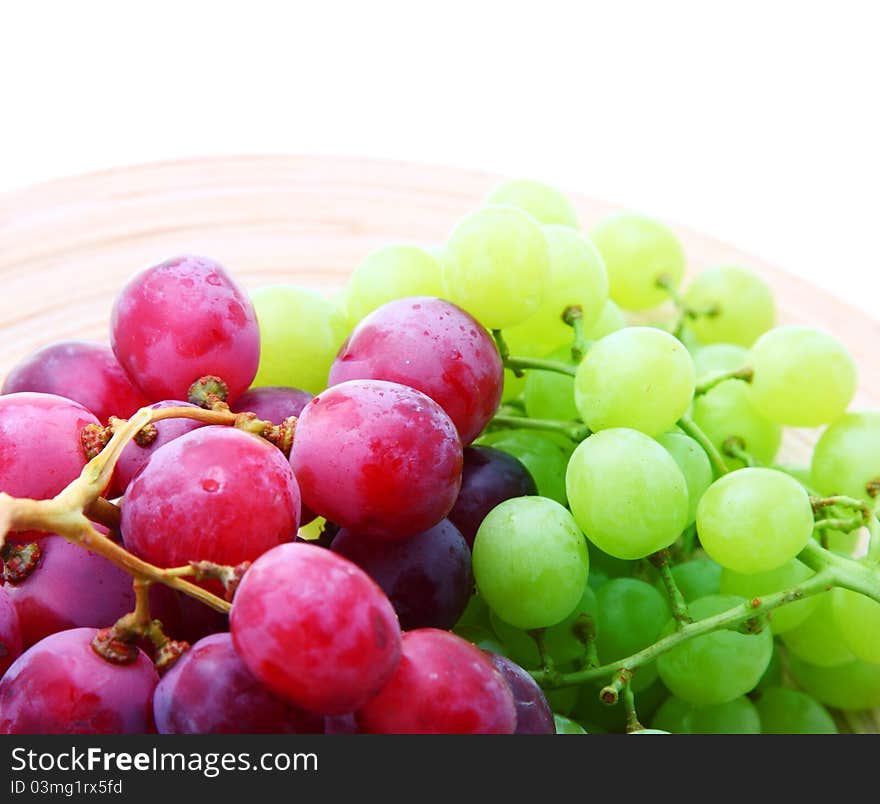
272	403
10	632
533	713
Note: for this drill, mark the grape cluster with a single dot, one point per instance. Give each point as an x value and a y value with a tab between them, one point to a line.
464	496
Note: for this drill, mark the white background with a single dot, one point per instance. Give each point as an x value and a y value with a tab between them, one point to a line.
756	122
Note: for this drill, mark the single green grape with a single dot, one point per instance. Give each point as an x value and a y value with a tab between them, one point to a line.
738	716
626	493
300	334
787	617
513	386
787	711
639	254
476	613
496	266
717	667
545	459
672	715
773	674
719	357
566	726
483	638
858	619
530	562
846	458
726	411
754	520
550	394
852	686
694	464
544	203
638	377
610	320
697	578
818	639
803	377
741	304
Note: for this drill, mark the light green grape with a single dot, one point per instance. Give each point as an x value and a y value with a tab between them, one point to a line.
545	459
754	520
741	300
773	674
300	334
726	411
530	562
717	667
392	272
610	320
694	464
818	639
858	619
847	456
544	203
496	266
787	617
697	578
550	394
483	638
566	726
577	277
639	253
671	716
638	377
786	711
803	377
719	357
513	386
851	686
626	493
738	716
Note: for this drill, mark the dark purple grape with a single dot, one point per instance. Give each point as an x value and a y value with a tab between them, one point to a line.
489	477
272	403
533	713
427	578
341	724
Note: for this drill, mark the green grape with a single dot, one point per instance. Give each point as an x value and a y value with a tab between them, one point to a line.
719	357
392	272
300	334
560	640
694	464
611	566
476	613
497	265
773	674
738	716
803	377
851	686
786	711
818	639
858	619
626	493
530	562
726	411
566	726
717	667
638	377
847	456
610	320
690	341
313	530
513	386
697	578
597	579
639	253
754	520
563	700
742	304
483	638
544	459
648	731
549	394
672	715
544	203
787	617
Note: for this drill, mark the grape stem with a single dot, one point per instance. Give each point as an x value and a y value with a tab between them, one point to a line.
573	430
745	373
629	704
677	602
734	448
691	429
518	364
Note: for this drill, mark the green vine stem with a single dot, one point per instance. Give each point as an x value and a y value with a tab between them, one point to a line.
573	430
745	373
676	599
519	364
690	428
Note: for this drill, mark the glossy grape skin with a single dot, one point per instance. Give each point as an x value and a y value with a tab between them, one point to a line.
272	403
626	493
489	477
717	667
533	713
787	711
543	459
214	494
433	346
442	685
62	686
803	377
565	725
544	203
84	371
184	319
857	618
365	447
530	562
10	632
638	251
638	377
738	716
742	301
719	357
427	577
550	394
847	456
818	639
727	411
69	588
694	464
40	444
754	520
696	578
209	690
496	265
315	629
851	686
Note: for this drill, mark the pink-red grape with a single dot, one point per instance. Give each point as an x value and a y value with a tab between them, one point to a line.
273	403
10	632
533	713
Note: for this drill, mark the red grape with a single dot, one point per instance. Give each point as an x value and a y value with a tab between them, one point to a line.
210	691
341	724
432	346
442	685
272	403
62	686
533	713
427	577
10	632
315	629
181	320
378	458
84	371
